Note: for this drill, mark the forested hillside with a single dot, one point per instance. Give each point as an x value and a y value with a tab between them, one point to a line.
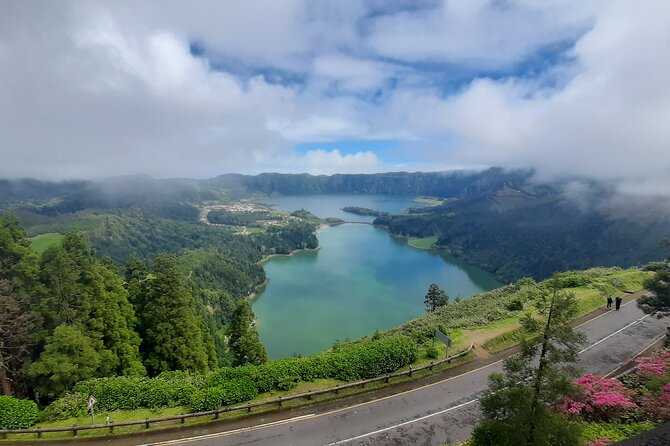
503	221
158	295
514	233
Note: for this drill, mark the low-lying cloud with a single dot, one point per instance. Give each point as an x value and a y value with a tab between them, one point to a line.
572	89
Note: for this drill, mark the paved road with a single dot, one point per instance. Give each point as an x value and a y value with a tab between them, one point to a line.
441	412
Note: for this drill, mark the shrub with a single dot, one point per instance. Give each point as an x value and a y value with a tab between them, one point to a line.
431	352
614	431
653	366
16	413
656	405
229	393
68	406
515	305
599	399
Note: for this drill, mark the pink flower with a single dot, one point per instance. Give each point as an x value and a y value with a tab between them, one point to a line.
613	399
602	441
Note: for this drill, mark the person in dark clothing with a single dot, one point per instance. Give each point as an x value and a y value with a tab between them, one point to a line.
617	302
609	302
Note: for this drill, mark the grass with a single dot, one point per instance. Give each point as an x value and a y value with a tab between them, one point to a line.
589	298
429	200
422	243
41	242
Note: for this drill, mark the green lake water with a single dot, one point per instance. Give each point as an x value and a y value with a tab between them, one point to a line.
362	279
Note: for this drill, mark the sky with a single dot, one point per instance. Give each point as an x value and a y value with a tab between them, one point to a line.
167	88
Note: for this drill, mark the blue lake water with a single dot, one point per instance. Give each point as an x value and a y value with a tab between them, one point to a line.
362	279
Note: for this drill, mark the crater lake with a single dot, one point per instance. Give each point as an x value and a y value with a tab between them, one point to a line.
360	279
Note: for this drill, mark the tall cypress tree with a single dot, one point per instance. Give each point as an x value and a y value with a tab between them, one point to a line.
244	342
174	338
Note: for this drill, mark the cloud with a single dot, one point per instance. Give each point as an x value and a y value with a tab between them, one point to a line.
324	162
608	120
478	32
173	89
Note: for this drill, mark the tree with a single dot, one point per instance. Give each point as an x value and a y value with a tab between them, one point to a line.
244	342
88	293
68	357
659	285
518	405
435	298
659	301
19	325
174	338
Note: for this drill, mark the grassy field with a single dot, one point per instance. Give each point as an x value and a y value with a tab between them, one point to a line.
43	241
589	298
422	243
429	200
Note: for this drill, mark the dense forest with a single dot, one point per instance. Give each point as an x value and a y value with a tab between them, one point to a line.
514	233
76	313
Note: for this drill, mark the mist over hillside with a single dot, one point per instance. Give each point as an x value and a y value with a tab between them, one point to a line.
505	221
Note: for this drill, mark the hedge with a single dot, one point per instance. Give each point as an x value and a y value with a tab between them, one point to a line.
232	385
226	394
16	413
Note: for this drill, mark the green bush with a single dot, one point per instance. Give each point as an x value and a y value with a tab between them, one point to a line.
206	399
614	431
515	305
431	352
227	394
16	413
232	385
68	406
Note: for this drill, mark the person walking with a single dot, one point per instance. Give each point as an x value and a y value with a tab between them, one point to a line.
609	302
617	302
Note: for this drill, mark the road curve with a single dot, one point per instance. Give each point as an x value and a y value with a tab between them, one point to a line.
441	412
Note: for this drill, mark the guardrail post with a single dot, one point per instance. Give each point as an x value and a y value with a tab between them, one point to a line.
337	389
39	434
248	407
183	419
309	396
279	401
431	365
216	415
410	370
146	423
388	378
111	429
74	431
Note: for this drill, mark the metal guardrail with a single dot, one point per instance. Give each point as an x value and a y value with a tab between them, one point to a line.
245	407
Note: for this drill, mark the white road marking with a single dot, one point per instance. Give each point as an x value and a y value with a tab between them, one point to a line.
477	399
615	333
310	416
404	423
236	431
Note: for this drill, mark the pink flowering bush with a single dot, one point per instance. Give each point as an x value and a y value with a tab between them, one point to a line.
600	399
656	405
653	366
604	441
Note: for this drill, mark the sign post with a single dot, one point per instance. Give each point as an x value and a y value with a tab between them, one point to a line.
91	403
444	338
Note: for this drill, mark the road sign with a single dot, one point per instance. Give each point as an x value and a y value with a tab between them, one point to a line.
91	402
442	337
